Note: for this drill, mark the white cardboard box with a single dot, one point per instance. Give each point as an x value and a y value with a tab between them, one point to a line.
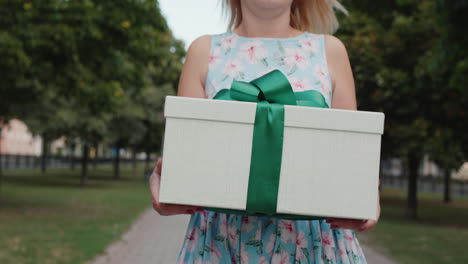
330	162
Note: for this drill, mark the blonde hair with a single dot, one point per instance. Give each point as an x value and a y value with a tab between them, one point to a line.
317	16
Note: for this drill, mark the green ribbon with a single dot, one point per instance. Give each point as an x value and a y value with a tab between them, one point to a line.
271	92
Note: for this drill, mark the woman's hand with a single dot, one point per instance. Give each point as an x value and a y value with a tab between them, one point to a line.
166	209
358	225
191	84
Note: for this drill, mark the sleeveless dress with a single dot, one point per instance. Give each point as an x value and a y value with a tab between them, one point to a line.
227	238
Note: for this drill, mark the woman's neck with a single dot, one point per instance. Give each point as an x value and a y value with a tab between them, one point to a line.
266	24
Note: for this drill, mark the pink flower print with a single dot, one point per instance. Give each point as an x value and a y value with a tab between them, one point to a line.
203	220
244	255
328	245
288	230
295	58
299	85
192	239
348	236
342	250
262	260
349	240
229	42
215	253
329	253
223	229
341	246
232	68
233	236
198	261
258	235
321	75
214	58
253	51
271	244
247	223
301	242
212	88
327	239
213	260
309	44
319	72
282	258
270	69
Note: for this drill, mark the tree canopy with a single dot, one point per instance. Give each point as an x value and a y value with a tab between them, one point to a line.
87	69
409	62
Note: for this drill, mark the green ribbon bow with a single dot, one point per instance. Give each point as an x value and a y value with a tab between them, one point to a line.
271	92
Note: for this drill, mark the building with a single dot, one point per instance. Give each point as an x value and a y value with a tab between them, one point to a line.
16	139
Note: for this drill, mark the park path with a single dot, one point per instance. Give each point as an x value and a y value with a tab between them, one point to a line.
153	239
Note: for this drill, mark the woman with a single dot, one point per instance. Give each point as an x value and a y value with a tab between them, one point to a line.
266	35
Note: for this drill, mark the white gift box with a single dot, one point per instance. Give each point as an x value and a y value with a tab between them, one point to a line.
330	162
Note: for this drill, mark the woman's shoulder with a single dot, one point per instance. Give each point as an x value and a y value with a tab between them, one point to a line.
200	45
334	48
197	58
198	53
341	74
203	42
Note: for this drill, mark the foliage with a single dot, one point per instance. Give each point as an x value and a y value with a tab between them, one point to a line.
409	62
446	72
82	68
385	49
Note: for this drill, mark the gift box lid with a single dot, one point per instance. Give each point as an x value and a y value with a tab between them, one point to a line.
295	116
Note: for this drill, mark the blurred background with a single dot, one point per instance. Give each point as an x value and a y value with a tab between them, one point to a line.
82	88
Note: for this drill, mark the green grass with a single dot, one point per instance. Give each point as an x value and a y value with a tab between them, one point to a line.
439	236
50	219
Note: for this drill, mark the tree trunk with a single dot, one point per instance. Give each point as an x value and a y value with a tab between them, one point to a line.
45	153
117	162
134	163
1	167
1	154
84	165
434	182
447	189
95	159
412	206
147	161
71	157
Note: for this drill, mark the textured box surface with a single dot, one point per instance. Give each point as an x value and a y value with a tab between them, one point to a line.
329	167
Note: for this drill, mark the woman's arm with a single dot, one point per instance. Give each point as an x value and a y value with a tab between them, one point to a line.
344	97
191	83
192	78
344	94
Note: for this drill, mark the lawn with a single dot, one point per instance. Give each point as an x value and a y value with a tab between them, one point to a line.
50	219
440	236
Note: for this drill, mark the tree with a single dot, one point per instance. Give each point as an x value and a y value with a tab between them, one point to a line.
445	74
160	80
77	64
384	49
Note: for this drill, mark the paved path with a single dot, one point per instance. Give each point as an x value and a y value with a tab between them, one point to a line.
157	240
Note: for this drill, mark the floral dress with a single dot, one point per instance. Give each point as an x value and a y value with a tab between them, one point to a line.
227	238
